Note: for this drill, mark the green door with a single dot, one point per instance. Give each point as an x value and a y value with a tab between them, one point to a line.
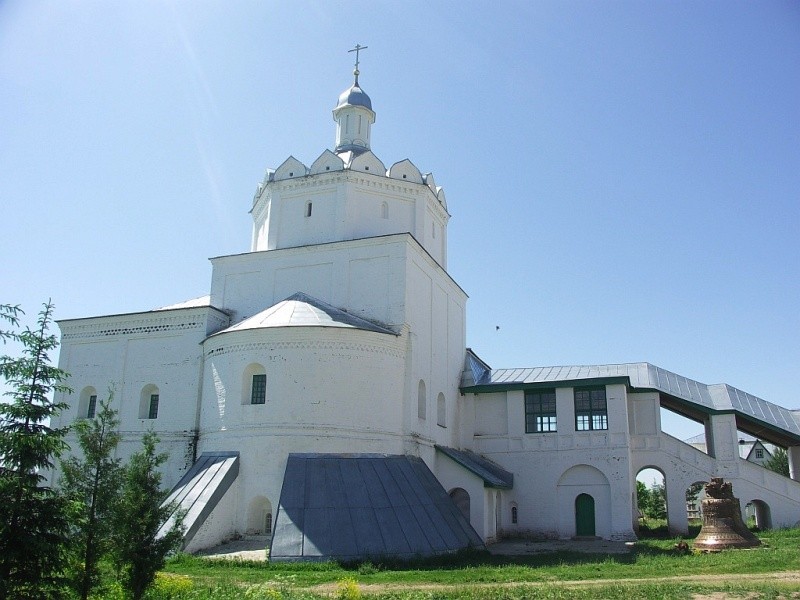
584	515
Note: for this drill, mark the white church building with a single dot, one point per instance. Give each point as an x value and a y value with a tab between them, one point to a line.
323	393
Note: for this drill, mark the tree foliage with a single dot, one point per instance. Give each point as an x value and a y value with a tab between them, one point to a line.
33	522
652	501
140	550
92	485
9	313
693	491
778	462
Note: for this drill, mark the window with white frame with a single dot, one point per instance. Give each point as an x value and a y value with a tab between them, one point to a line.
540	411
591	410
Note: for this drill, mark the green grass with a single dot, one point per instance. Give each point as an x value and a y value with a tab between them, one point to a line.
460	574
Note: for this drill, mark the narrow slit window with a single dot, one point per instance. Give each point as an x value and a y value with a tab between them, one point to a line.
153	412
92	407
308	209
258	395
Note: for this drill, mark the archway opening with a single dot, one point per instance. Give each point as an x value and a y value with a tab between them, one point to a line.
694	506
461	499
651	503
758	515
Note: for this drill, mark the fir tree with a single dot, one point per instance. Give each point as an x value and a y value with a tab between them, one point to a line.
33	522
779	462
10	313
140	550
92	484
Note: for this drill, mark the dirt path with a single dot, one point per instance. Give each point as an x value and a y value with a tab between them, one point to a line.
781	577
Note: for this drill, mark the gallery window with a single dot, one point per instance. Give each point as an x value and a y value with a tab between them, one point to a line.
591	411
258	395
540	411
153	412
90	412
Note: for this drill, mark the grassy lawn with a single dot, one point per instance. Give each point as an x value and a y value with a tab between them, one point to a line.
482	575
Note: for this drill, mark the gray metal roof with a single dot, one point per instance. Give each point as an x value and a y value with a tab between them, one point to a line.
358	506
712	398
200	489
493	475
302	310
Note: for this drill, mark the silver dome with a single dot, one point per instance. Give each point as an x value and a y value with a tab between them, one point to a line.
354	96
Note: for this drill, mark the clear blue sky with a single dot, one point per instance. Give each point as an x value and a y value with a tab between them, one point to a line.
623	177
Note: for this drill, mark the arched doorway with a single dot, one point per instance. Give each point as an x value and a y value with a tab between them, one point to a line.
758	514
584	516
259	516
461	499
577	481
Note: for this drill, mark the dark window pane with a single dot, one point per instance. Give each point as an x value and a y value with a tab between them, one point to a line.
259	391
153	414
92	407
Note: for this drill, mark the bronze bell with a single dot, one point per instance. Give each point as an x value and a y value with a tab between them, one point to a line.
723	527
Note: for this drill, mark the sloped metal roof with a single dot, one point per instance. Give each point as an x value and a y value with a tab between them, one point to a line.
200	490
302	310
357	506
643	376
493	475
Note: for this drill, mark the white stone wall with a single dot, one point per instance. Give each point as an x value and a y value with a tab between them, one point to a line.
136	355
348	204
328	390
552	469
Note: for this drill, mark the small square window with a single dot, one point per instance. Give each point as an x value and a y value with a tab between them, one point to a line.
759	453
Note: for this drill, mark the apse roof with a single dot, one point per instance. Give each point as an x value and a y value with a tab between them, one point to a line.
359	506
644	376
302	310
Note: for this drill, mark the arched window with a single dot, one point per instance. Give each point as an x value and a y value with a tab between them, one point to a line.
422	400
441	411
149	402
385	210
254	385
309	206
513	514
87	403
